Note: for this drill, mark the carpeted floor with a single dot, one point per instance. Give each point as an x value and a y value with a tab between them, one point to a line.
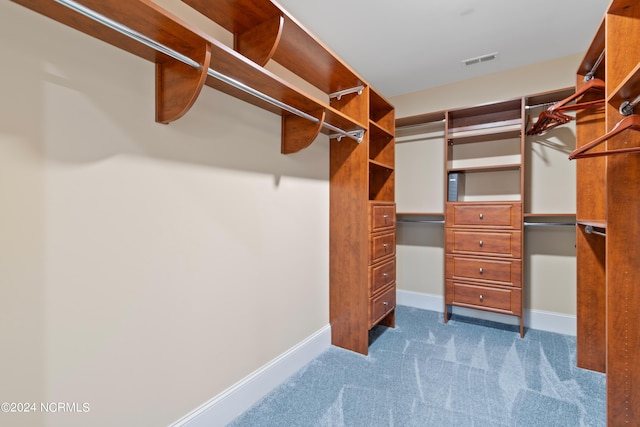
426	373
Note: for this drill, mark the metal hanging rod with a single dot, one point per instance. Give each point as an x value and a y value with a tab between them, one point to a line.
549	224
123	29
590	230
591	74
341	93
546	104
421	221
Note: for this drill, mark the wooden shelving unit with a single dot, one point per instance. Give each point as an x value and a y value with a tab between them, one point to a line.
178	85
484	229
608	189
359	121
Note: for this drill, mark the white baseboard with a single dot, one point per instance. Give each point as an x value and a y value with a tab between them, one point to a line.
226	406
533	319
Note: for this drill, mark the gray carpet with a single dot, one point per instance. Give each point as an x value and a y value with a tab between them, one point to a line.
426	373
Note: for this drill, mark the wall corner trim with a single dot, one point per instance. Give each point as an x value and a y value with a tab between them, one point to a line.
534	319
235	400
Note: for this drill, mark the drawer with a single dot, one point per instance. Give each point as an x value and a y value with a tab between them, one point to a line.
381	275
381	245
382	305
501	300
381	216
487	243
499	271
501	215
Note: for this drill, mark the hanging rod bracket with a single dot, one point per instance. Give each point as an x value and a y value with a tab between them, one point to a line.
356	135
627	107
338	95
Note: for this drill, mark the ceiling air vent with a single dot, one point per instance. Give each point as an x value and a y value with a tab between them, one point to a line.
479	59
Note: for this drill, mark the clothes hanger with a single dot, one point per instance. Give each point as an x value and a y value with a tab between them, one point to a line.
628	122
553	116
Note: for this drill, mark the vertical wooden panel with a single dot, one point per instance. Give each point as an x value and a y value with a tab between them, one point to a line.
590	249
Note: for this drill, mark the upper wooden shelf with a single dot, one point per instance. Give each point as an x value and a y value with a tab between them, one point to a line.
590	60
264	31
491	131
178	83
420	119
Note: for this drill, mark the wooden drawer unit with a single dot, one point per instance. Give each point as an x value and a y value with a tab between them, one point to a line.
486	243
382	304
483	263
499	271
381	245
481	215
498	299
381	216
381	275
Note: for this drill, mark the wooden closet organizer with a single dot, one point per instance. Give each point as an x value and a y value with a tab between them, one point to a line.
485	219
608	216
358	120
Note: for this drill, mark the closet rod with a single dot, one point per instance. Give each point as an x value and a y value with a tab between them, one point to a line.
123	29
590	230
549	224
591	74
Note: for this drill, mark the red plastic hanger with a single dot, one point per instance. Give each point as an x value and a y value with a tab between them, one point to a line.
629	122
553	116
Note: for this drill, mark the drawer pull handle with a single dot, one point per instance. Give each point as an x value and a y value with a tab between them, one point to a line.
481	270
481	243
385	274
481	298
385	303
481	216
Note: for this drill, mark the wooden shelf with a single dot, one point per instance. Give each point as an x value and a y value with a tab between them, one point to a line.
489	168
420	119
263	31
592	223
178	84
628	90
593	53
504	130
381	112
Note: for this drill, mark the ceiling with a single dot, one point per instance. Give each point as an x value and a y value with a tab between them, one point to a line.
401	46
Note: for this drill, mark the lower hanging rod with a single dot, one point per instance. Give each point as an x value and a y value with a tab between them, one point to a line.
589	229
356	135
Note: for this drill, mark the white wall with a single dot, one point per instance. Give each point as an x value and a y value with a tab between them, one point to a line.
549	258
144	268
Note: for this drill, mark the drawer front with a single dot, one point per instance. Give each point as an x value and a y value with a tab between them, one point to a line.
381	216
503	300
382	305
381	245
489	243
381	275
506	215
503	272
